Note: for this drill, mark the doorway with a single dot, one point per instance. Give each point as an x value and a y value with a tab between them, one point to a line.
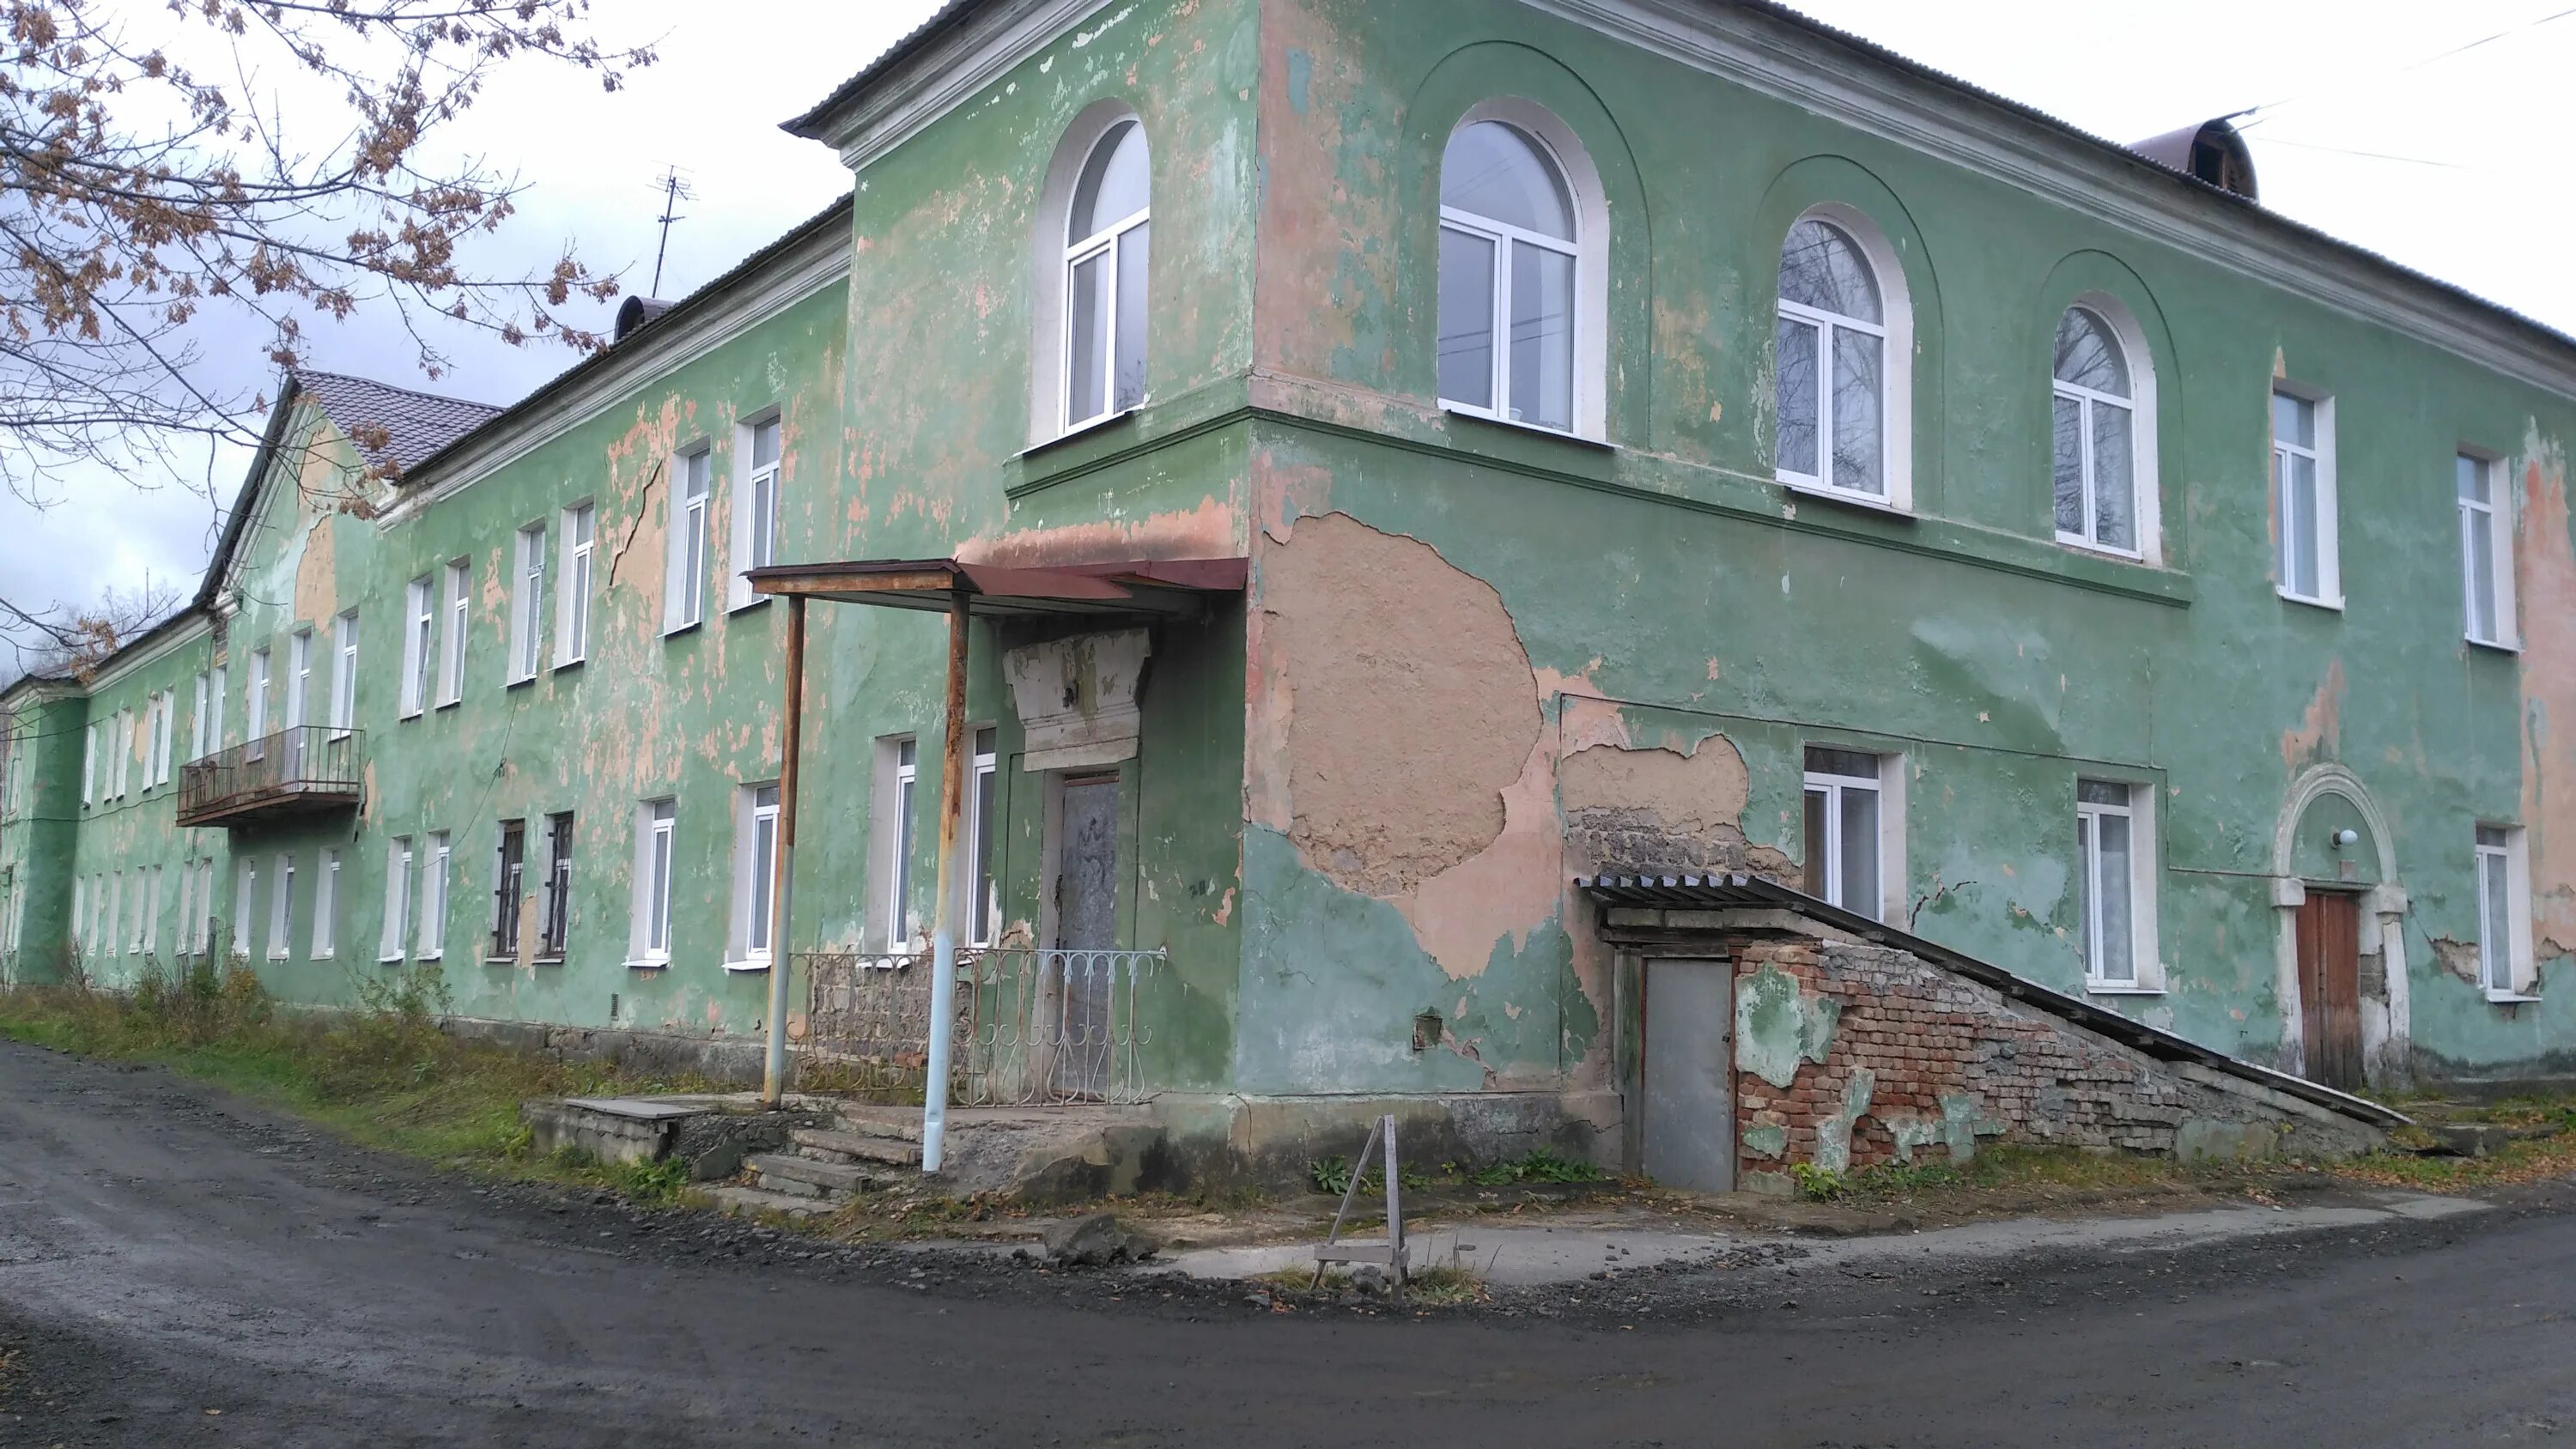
1084	905
1689	1068
2329	949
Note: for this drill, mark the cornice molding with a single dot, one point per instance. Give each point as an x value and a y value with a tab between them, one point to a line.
1780	59
929	85
122	665
669	345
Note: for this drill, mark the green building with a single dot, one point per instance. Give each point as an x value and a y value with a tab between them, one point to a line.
1405	458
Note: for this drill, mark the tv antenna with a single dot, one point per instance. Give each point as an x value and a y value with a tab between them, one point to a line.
675	189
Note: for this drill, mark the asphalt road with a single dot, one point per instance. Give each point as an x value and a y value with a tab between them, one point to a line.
177	1269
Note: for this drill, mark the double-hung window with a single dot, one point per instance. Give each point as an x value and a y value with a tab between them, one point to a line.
2303	499
656	824
509	888
1508	251
344	675
572	605
2486	551
527	603
2505	963
555	934
755	514
1108	233
420	616
451	654
1846	863
397	932
684	583
757	855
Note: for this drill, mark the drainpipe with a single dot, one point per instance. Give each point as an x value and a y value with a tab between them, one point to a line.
773	1069
943	933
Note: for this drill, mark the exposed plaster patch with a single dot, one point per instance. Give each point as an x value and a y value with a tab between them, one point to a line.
2319	733
2546	587
1778	1024
1411	710
2460	958
1660	807
1509	886
1834	1133
1766	1140
317	590
1213	529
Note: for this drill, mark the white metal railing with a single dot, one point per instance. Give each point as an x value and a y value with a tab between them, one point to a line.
1033	1027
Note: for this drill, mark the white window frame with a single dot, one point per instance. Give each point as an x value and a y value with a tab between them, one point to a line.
156	738
245	901
983	908
393	940
898	783
2145	512
151	939
684	567
431	933
2327	524
577	533
344	674
299	676
657	840
451	650
748	492
215	708
755	901
1502	237
281	908
2496	517
89	766
199	718
183	940
1896	365
558	868
111	913
420	614
527	603
2520	975
255	708
1101	244
326	903
2140	812
1889	785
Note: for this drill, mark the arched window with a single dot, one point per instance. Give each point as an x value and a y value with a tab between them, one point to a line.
1509	244
1844	339
2099	434
1106	235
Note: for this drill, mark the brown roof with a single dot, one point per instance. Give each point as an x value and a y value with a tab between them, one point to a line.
414	424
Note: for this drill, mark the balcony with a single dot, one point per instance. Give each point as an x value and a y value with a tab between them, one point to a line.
301	771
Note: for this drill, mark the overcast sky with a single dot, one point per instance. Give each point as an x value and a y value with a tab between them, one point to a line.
2453	164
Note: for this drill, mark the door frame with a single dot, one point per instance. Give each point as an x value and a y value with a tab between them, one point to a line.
1723	966
1051	841
2308	1011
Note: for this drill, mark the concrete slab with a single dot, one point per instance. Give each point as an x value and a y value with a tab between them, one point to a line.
641	1109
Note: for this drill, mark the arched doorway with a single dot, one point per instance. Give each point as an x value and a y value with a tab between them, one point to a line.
2340	953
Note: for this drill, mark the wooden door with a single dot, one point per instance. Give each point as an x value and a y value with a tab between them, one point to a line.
2329	932
1690	1074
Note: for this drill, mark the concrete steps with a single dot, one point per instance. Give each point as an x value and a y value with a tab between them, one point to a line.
801	1176
855	1147
736	1201
863	1150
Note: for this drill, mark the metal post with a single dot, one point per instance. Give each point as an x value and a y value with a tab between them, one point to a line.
773	1071
943	932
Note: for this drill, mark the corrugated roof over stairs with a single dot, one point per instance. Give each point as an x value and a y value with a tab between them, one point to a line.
1742	892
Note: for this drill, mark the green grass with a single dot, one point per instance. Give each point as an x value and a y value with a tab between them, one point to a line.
382	1074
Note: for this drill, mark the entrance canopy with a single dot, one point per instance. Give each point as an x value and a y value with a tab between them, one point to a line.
1149	588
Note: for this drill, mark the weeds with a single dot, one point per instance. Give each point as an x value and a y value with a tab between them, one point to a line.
1539	1164
1819	1184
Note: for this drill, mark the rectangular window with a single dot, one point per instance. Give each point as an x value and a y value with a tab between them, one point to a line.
897	876
245	901
755	513
756	868
389	946
344	675
572	605
2303	499
156	738
183	940
1845	858
199	718
120	763
526	600
2106	846
152	910
2505	965
557	934
433	896
655	825
215	704
281	898
299	675
255	720
451	654
89	766
326	904
111	914
510	884
684	584
420	624
80	923
2486	551
983	906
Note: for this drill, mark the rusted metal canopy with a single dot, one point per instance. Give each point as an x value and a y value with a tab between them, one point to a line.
1160	588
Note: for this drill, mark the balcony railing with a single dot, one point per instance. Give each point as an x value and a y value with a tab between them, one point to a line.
292	772
1033	1028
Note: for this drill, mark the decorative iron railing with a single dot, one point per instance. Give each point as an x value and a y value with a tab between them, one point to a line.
1033	1027
309	767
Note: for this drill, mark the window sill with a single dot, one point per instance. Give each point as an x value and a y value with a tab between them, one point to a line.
562	665
555	960
460	699
2086	545
1495	420
428	956
747	605
2121	988
408	715
2507	998
2333	605
747	966
1868	502
389	960
650	964
273	955
521	682
1094	427
2495	646
500	960
677	630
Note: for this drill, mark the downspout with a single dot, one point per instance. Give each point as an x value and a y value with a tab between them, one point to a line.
773	1070
943	934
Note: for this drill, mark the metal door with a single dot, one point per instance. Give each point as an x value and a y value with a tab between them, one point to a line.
1689	1069
1086	921
2329	936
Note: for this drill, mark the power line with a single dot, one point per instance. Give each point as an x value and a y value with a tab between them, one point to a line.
2261	113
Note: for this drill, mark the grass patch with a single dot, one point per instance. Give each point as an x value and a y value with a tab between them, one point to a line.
383	1073
1539	1164
1445	1285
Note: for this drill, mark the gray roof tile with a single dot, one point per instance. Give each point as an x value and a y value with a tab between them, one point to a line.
415	424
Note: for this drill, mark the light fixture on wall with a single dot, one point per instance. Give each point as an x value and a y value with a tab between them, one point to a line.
2346	838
